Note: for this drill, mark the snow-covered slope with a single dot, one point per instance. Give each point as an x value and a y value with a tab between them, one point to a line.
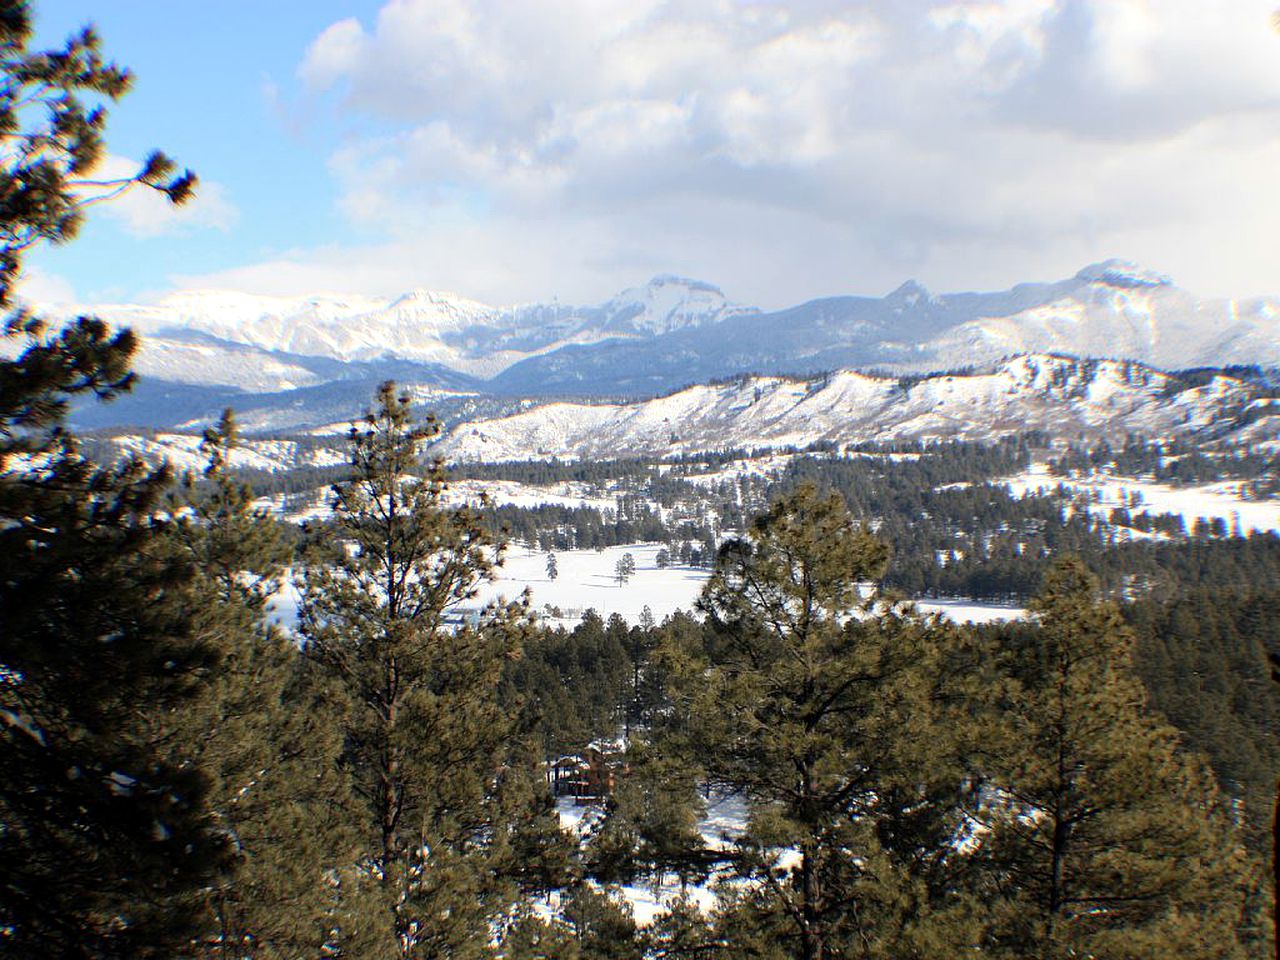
1112	309
1060	396
1063	398
1115	309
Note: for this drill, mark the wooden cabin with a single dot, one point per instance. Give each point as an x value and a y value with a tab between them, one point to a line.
590	777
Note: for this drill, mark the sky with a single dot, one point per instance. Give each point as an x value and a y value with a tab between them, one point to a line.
520	150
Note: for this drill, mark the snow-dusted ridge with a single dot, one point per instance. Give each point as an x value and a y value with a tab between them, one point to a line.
1064	397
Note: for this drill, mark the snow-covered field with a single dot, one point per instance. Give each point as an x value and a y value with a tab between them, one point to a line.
586	578
963	610
1221	500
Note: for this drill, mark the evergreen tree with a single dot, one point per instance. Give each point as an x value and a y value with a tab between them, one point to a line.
553	568
261	729
1103	837
622	570
434	759
826	711
101	835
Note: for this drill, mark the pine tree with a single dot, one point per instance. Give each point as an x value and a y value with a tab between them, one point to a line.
1103	837
261	729
553	569
622	571
435	762
101	834
828	713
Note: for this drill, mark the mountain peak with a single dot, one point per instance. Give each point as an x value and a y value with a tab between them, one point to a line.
423	295
910	293
667	303
1123	273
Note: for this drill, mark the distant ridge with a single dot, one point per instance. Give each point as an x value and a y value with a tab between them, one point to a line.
1060	398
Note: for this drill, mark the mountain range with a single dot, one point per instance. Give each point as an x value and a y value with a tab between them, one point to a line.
297	363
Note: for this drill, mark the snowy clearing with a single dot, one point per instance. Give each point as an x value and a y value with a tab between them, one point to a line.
586	578
1213	500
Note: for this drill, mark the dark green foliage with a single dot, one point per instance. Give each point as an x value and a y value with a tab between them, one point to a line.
1105	837
99	631
428	746
1203	659
263	729
826	711
575	684
602	927
650	827
104	840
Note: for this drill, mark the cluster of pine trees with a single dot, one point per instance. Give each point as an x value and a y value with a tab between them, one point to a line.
179	778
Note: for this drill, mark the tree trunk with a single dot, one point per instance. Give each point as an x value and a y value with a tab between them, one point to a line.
811	934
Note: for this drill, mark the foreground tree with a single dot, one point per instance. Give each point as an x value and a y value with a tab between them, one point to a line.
261	729
104	841
440	775
1103	837
826	711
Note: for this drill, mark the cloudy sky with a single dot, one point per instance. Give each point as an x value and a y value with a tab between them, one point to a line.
516	150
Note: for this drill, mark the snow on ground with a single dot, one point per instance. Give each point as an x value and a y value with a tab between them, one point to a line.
513	493
586	579
315	504
962	610
1207	500
765	466
724	819
183	451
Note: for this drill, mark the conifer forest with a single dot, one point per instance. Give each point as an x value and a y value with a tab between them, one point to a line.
803	763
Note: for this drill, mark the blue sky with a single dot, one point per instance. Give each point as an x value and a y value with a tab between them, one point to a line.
571	148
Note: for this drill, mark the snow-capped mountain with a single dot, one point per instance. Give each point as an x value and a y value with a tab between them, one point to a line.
1062	397
311	355
1111	309
243	338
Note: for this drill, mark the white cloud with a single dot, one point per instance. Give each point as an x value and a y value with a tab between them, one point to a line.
144	212
335	52
784	149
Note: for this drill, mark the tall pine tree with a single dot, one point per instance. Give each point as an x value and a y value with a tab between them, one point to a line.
828	713
442	780
100	832
261	729
1103	836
